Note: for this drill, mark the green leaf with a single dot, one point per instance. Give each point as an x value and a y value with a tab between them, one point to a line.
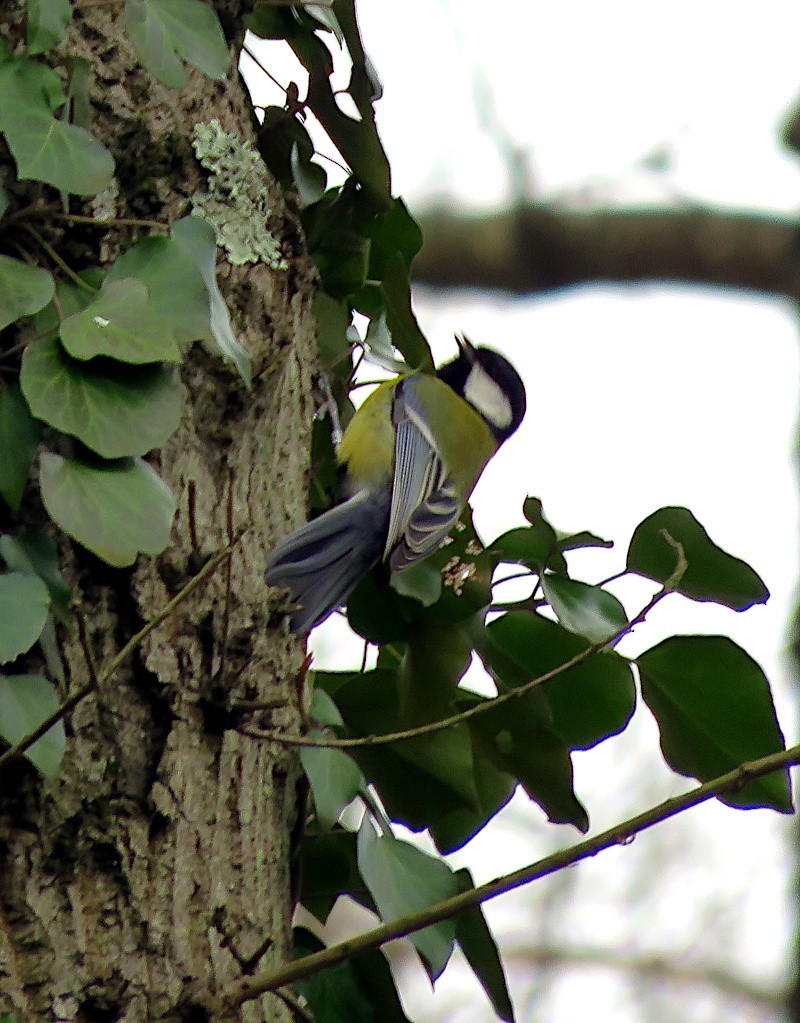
24	607
524	546
3	207
24	290
36	553
333	318
328	869
480	949
712	573
174	283
422	582
358	991
586	610
323	710
121	324
115	510
520	741
48	21
114	409
196	237
335	780
578	541
715	712
26	701
167	30
310	179
432	665
587	703
45	148
19	438
342	258
404	879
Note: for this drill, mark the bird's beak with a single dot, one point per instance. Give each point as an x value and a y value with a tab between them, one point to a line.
466	347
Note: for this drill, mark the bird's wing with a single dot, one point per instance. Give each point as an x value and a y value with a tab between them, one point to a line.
425	504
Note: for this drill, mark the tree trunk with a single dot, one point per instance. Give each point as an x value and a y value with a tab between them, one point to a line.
157	870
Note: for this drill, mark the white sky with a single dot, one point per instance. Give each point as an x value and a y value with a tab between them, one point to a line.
641	397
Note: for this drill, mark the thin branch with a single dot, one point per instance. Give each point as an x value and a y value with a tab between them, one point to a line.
65	267
119	658
249	988
74	218
285	739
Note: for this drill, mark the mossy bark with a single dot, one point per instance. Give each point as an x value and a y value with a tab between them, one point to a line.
156	870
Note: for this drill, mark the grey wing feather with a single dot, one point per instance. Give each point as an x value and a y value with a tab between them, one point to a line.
424	505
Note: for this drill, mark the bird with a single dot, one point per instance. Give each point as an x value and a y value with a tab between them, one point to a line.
409	460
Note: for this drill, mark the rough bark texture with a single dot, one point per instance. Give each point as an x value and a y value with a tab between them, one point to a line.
541	248
157	870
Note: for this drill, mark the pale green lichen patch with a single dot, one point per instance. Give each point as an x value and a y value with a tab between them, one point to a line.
238	200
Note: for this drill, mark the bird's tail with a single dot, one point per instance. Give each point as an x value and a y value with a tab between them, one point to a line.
321	562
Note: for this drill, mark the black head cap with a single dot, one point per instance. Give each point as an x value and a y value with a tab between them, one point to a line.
489	382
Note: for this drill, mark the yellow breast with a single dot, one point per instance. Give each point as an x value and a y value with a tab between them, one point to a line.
367	448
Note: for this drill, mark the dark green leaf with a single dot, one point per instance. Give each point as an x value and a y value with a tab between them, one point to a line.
404	879
114	409
195	236
712	575
270	22
376	612
19	438
116	509
3	207
521	742
588	611
24	290
25	702
434	661
46	148
714	710
588	703
48	21
577	541
36	553
480	948
167	30
342	258
310	179
24	607
328	869
525	546
358	991
400	318
334	777
121	324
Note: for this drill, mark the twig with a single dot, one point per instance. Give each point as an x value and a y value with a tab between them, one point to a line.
249	988
118	659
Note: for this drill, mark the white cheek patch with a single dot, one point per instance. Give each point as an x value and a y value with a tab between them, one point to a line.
488	398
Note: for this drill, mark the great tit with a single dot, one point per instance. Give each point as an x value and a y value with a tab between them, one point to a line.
410	458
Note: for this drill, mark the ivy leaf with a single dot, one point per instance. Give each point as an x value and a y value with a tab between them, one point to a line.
26	701
36	553
24	607
115	410
24	289
587	703
120	323
174	284
116	509
196	237
19	438
480	949
328	869
333	318
586	610
360	990
45	148
403	879
715	712
167	30
309	178
335	780
48	21
712	573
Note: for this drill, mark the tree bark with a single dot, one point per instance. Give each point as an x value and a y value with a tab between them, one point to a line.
544	248
157	870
